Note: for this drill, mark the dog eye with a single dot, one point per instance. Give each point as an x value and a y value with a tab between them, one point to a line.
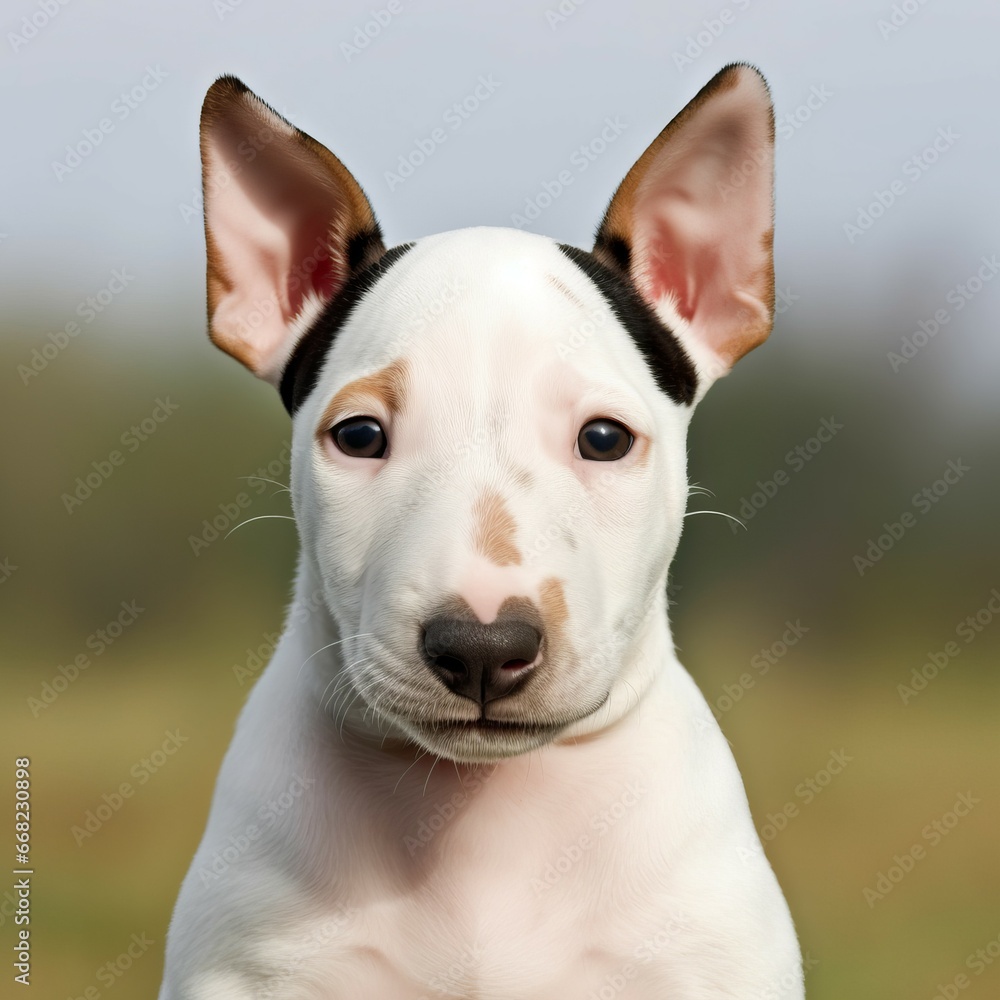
361	437
603	440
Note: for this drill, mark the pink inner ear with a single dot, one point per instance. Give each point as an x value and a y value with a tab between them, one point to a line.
700	244
666	272
700	219
325	279
280	213
283	215
272	226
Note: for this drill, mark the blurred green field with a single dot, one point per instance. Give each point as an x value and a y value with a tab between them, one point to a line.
833	692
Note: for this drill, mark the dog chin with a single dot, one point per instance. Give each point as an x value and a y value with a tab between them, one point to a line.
481	741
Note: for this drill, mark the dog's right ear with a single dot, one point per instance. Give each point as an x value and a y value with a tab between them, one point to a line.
286	225
691	225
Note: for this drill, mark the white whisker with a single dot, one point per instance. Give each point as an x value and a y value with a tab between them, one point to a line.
407	771
720	513
282	488
429	773
259	517
360	635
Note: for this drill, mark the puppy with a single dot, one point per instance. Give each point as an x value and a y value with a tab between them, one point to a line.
474	767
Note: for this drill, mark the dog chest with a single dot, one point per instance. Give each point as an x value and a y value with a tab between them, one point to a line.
484	889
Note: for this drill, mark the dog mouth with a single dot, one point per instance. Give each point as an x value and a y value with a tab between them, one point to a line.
492	726
506	727
484	740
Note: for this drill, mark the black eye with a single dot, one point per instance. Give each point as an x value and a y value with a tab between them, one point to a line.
361	437
603	440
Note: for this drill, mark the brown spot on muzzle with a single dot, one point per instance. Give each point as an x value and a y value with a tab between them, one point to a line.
555	618
554	611
495	530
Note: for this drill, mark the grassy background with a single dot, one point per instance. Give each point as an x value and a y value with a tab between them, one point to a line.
835	690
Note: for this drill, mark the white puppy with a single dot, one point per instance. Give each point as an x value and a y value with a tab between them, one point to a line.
474	767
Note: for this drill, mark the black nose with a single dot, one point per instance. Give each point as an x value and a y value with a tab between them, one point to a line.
478	661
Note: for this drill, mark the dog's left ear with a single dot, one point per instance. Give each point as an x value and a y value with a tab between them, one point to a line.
692	223
286	226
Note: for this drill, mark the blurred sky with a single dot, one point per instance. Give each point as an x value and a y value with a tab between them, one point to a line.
881	94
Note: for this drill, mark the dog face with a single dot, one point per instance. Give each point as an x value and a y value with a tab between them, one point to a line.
489	427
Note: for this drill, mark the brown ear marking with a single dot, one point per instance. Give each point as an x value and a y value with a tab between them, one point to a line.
613	241
767	242
230	96
495	530
387	386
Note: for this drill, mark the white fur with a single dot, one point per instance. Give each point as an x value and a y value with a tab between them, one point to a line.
617	858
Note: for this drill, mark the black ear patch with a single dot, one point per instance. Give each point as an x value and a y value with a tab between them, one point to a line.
671	367
364	248
616	249
302	370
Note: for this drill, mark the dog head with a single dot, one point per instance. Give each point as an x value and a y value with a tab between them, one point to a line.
489	427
